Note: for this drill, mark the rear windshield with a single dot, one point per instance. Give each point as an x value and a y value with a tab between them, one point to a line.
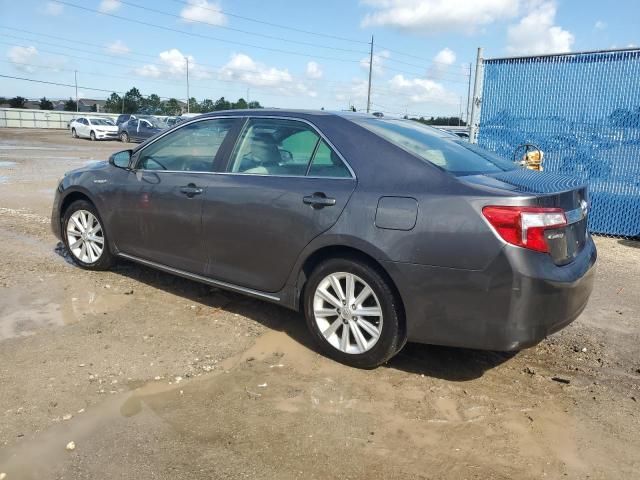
456	156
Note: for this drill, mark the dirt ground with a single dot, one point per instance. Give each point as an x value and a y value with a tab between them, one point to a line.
154	377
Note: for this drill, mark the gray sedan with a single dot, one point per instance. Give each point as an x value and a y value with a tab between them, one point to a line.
380	230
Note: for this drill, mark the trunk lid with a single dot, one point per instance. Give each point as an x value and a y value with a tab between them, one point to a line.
548	190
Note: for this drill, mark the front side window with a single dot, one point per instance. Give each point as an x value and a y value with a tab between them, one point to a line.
270	146
190	148
455	156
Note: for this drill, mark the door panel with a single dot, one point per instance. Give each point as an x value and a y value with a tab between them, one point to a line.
256	226
173	175
172	220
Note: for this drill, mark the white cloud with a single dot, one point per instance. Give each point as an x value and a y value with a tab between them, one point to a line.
422	90
356	93
313	70
537	34
53	8
445	56
203	11
22	55
173	63
436	16
600	25
441	63
117	48
108	6
243	68
378	61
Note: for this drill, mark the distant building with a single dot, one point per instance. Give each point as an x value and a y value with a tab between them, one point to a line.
84	105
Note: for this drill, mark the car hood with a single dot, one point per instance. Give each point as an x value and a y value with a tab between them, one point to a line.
107	128
90	166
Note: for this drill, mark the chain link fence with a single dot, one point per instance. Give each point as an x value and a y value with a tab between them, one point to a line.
583	111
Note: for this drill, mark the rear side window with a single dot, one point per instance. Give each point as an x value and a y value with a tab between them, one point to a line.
326	163
455	156
190	148
279	147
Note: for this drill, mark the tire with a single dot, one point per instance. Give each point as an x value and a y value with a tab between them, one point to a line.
364	352
73	133
92	136
84	254
124	137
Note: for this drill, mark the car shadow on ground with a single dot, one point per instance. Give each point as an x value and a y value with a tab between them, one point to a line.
633	242
447	363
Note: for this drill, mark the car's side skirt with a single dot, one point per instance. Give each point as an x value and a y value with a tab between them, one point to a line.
200	278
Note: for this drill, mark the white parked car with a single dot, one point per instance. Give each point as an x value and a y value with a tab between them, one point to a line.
94	128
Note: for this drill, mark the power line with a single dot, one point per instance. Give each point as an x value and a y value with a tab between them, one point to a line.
208	37
215	68
57	83
390	59
173	84
285	27
263	35
417	57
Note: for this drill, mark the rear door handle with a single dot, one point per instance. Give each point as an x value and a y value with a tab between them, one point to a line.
191	190
319	200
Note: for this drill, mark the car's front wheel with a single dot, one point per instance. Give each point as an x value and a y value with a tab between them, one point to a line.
73	133
353	313
92	135
85	237
124	137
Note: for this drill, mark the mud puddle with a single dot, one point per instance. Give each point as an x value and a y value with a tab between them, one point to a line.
47	304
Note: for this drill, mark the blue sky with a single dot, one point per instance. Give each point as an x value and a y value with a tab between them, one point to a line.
239	48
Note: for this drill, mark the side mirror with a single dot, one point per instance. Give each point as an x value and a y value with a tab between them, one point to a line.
121	159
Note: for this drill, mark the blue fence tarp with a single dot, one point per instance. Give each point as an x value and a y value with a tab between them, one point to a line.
583	111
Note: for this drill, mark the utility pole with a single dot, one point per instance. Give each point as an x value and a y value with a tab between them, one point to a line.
477	99
122	102
370	70
75	76
469	94
188	97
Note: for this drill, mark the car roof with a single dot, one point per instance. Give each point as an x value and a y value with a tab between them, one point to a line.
277	112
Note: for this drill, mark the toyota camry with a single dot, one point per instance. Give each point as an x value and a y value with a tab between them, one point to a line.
380	230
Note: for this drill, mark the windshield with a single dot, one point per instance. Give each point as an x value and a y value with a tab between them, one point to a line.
457	157
155	122
101	121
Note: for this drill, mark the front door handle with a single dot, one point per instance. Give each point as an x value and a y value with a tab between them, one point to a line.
191	190
319	200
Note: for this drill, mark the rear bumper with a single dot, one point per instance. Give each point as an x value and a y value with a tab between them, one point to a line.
518	300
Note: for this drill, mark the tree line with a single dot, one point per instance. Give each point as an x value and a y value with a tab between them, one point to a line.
134	102
451	121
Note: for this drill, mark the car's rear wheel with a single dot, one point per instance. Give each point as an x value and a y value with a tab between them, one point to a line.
353	313
85	237
124	137
92	135
73	133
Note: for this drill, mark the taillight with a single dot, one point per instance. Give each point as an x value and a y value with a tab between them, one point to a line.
524	226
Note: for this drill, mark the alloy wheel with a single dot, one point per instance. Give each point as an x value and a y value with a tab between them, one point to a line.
85	237
347	312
